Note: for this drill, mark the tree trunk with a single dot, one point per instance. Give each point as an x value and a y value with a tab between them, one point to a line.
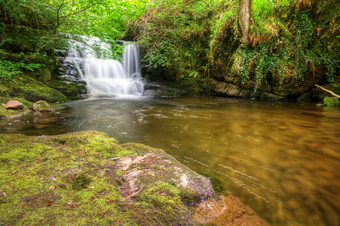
244	19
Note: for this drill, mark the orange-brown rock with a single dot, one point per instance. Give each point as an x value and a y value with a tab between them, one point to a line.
14	105
229	211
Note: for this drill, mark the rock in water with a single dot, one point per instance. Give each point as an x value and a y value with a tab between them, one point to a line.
14	105
41	106
158	167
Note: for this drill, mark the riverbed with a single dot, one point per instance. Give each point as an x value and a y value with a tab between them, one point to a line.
282	160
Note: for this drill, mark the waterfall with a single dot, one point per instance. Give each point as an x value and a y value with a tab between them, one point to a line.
103	75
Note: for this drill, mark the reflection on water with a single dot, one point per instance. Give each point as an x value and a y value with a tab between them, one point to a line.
282	160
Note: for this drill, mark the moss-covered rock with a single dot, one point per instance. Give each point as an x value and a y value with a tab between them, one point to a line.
31	90
331	101
41	106
77	178
71	90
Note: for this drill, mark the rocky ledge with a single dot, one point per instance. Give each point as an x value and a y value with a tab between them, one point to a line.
88	178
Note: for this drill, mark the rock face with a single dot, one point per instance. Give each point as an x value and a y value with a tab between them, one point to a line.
231	85
14	105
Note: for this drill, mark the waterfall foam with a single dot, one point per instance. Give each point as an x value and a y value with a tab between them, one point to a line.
105	76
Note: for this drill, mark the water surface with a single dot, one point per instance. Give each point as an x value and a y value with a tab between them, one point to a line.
283	160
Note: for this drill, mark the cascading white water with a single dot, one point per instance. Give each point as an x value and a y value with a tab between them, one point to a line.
104	76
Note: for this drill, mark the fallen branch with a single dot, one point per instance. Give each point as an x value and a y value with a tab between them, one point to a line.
328	91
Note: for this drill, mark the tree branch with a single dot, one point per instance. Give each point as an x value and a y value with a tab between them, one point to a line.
328	91
58	16
79	11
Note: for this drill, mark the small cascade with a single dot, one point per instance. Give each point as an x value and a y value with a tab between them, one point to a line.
105	76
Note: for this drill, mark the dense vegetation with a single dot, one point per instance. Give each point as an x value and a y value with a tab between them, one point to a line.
293	44
289	42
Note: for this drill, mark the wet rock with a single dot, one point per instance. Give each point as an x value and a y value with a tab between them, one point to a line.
156	166
229	210
41	106
160	90
14	105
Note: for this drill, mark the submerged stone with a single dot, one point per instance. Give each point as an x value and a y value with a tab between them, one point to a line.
228	210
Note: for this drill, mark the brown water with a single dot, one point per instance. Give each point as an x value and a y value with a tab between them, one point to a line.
281	160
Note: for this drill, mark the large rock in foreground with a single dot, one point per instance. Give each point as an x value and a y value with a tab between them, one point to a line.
88	178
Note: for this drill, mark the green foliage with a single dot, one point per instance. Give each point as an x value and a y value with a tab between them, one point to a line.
197	40
80	181
8	69
176	37
291	54
331	101
34	13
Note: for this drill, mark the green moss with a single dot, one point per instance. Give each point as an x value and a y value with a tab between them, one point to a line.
71	90
120	172
38	91
331	101
165	199
41	106
31	90
80	182
69	179
7	113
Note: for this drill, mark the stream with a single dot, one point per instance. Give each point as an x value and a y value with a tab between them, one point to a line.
282	160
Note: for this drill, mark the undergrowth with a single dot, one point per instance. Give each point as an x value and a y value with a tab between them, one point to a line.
9	69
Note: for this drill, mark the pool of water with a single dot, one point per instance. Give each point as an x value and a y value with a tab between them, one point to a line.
283	160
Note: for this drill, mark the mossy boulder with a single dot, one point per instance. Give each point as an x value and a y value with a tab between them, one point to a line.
32	90
71	90
331	101
41	106
38	91
81	178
